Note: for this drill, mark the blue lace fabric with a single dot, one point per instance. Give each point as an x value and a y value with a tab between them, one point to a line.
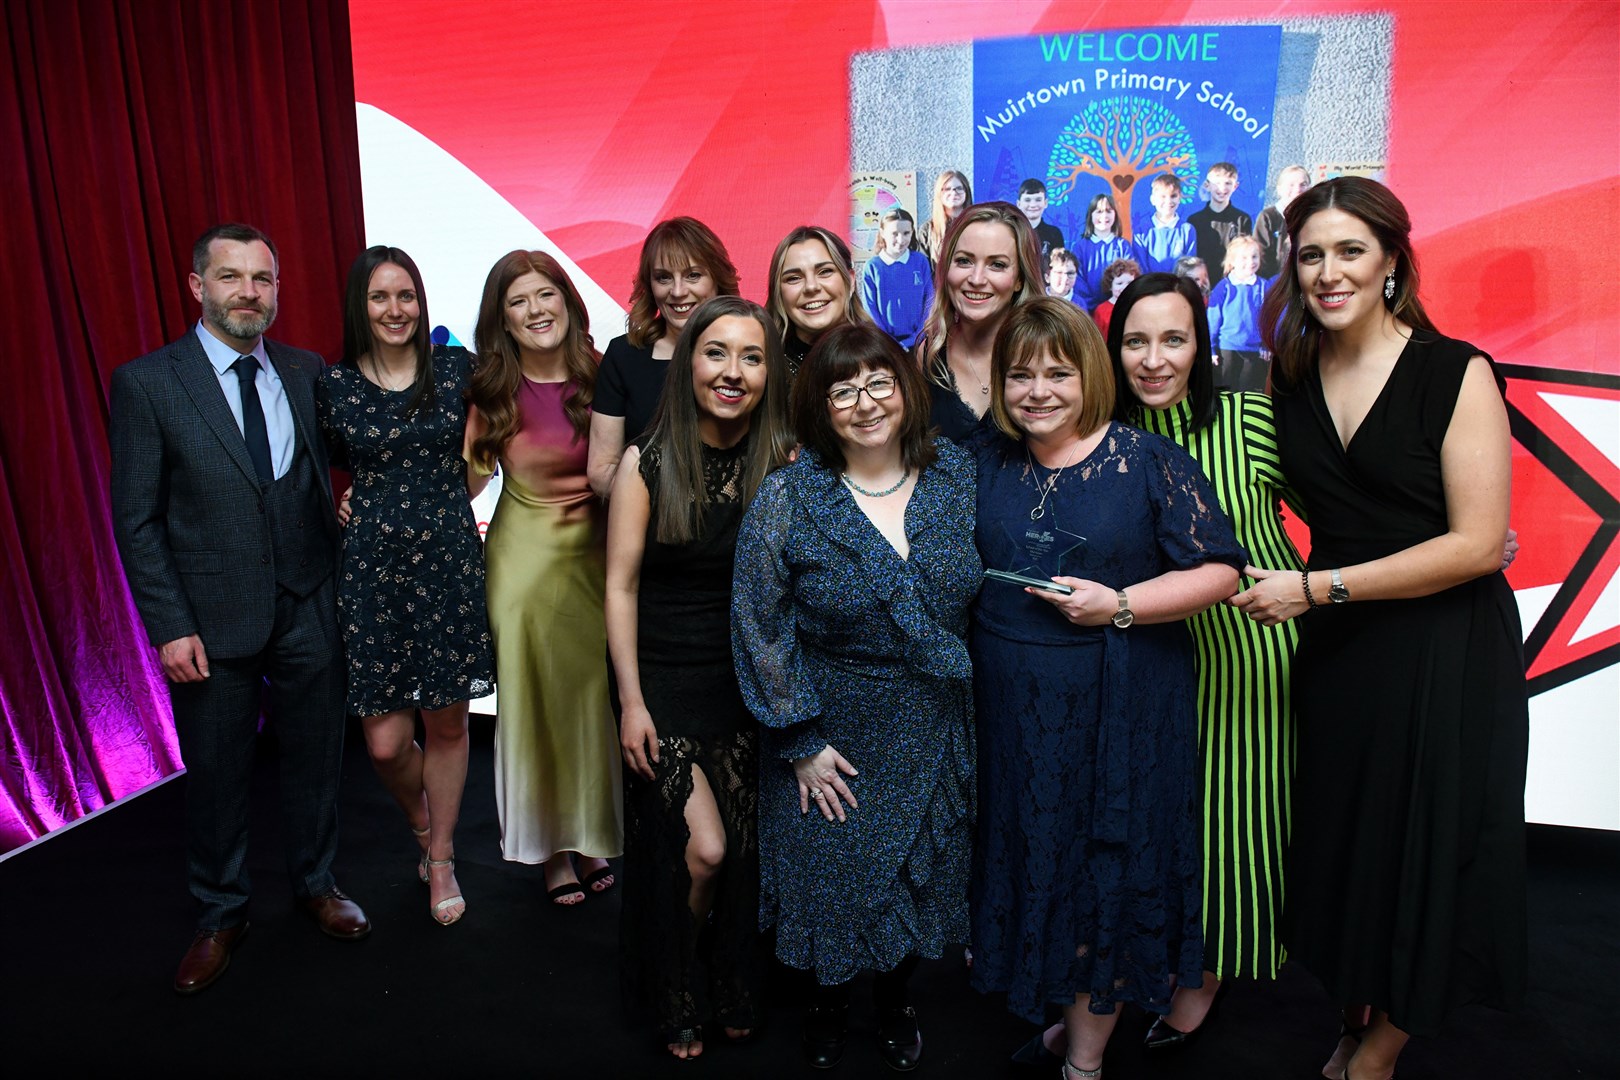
1087	862
840	641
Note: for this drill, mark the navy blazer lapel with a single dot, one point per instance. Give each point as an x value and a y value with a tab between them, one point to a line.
197	376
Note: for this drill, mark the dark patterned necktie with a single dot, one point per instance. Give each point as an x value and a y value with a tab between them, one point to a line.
253	429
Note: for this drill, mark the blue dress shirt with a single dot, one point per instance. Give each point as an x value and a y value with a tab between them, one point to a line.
278	421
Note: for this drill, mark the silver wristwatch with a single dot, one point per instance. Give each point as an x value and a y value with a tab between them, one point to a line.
1338	593
1124	616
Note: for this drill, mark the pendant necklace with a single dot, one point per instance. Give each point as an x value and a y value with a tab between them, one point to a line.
898	484
1051	481
378	371
984	387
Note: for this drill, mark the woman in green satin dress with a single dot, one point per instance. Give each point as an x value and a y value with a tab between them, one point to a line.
557	772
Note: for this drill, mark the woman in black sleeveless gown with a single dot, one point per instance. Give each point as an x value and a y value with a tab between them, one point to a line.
1406	871
691	861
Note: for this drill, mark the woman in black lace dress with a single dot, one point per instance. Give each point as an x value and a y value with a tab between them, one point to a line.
690	853
411	589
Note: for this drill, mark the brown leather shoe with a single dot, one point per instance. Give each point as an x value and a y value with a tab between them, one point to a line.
207	958
338	916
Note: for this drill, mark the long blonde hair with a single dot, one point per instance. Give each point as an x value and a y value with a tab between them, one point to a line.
938	223
1031	281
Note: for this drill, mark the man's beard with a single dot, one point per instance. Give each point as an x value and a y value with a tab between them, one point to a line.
242	325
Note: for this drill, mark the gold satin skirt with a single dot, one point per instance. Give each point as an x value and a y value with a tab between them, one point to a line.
557	767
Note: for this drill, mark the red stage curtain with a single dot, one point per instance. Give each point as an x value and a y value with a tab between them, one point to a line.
129	128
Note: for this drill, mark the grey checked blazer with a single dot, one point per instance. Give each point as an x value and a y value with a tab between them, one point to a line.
188	513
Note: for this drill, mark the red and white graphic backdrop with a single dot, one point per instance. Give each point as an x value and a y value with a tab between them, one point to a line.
576	126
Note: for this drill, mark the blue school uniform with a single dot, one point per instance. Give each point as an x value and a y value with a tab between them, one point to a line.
1234	314
1094	256
899	295
1159	246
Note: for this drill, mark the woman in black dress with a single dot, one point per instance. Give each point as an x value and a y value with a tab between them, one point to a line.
1406	868
989	263
411	589
682	264
690	744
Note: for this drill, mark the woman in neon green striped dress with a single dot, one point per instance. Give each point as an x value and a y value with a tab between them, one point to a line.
1160	344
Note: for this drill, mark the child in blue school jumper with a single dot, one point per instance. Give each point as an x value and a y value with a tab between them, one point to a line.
1234	318
1100	244
1163	237
897	283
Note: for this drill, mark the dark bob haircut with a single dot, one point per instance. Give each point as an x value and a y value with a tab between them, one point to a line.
1200	380
837	357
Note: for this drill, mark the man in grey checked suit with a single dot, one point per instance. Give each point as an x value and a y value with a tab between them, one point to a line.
222	507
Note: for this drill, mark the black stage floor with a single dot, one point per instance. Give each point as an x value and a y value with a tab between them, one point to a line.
93	922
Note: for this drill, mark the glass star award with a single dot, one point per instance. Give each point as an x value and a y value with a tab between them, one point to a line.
1041	549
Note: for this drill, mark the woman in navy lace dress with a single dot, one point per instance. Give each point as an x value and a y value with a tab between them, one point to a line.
855	569
1087	888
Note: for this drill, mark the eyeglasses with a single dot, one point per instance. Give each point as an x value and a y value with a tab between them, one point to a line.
877	389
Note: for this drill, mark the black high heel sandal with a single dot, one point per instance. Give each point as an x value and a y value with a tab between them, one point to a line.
1034	1054
1161	1036
683	1037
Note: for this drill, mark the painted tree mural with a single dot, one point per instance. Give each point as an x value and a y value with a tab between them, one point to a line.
1121	140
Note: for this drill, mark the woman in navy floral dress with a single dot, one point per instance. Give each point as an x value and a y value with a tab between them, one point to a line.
855	568
411	589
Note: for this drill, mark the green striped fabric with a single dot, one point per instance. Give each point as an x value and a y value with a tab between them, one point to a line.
1246	727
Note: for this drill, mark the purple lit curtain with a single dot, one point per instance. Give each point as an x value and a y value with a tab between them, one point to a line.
126	130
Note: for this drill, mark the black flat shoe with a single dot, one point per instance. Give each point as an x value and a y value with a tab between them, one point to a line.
824	1034
899	1041
1161	1036
1035	1054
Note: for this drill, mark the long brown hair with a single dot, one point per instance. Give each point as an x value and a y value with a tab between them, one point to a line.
673	432
1031	280
1287	327
499	373
838	251
357	340
938	223
678	242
